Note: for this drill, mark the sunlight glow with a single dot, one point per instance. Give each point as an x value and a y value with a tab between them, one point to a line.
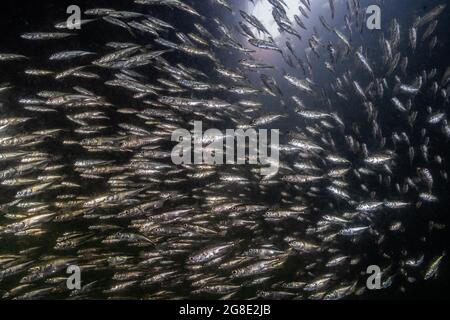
263	11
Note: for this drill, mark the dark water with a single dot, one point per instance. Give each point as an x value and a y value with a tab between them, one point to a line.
17	17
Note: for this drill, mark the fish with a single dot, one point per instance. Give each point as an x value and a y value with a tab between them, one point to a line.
67	55
46	35
433	268
430	16
332	8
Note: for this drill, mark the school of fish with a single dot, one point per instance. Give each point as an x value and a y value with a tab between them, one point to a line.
365	154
